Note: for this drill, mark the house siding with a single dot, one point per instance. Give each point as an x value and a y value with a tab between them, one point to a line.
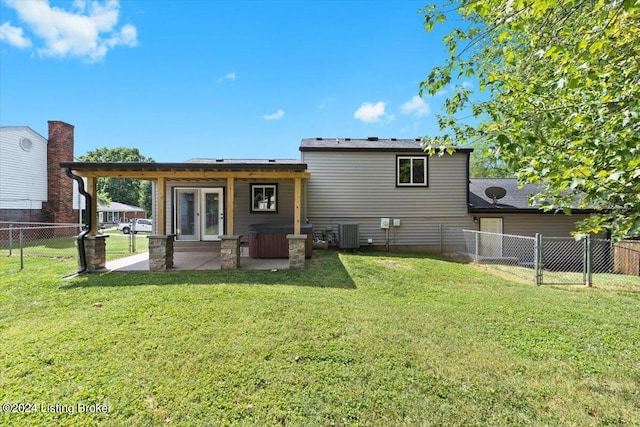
243	217
552	225
360	186
23	174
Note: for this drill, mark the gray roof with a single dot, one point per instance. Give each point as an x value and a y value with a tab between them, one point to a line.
244	161
516	199
370	143
119	207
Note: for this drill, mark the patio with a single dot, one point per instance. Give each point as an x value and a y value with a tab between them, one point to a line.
195	261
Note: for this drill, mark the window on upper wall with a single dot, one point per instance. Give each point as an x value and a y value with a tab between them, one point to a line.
264	197
411	171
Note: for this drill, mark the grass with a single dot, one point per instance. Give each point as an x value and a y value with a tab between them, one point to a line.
118	245
601	280
355	339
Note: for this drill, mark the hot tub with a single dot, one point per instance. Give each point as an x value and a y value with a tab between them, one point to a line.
270	240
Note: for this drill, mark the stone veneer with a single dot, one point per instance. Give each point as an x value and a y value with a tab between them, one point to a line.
297	244
160	252
230	252
95	251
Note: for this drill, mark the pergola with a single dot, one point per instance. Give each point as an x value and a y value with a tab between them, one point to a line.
160	173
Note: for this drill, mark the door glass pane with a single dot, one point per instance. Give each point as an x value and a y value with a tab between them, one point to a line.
187	217
212	222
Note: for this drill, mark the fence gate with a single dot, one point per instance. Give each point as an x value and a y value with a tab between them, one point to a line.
565	260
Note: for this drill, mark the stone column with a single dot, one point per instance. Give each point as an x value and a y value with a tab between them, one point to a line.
296	250
95	251
230	252
160	252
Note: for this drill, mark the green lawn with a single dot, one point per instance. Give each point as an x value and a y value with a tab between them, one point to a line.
355	339
117	244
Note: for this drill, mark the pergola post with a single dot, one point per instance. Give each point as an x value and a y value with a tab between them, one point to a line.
230	204
161	209
297	203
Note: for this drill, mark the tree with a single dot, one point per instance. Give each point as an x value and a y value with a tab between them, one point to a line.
483	162
562	84
124	190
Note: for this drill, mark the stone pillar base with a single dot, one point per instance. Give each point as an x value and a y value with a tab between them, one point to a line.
96	253
230	252
297	246
160	252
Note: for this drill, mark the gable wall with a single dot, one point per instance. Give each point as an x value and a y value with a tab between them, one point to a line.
361	186
23	174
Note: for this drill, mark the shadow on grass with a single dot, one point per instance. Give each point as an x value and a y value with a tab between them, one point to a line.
324	270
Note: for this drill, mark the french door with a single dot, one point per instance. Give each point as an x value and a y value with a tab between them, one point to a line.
199	213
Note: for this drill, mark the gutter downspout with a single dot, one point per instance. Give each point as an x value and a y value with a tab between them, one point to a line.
87	206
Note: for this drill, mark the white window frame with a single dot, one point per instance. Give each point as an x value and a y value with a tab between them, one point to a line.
412	184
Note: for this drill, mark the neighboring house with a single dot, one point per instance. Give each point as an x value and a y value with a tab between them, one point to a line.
118	212
33	187
512	213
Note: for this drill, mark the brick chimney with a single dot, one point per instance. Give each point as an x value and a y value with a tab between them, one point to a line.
59	206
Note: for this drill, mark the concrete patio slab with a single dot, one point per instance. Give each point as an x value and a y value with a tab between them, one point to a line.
194	261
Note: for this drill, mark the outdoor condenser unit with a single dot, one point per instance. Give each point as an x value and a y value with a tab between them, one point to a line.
349	237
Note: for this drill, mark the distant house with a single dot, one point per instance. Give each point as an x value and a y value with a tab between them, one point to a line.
33	187
118	212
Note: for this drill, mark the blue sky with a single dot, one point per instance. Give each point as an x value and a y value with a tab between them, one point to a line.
221	79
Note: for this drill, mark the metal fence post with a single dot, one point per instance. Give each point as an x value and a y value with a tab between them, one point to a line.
21	250
10	238
537	260
477	244
587	259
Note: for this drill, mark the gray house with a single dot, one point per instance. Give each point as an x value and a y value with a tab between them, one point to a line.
369	181
366	193
401	198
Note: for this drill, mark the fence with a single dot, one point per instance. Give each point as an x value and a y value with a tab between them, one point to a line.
20	240
549	260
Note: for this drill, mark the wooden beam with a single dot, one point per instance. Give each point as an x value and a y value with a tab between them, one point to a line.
297	203
92	189
161	206
231	197
193	174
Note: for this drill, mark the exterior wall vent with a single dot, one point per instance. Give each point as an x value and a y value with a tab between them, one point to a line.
349	235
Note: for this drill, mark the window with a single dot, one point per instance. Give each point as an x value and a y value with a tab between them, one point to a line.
411	171
264	197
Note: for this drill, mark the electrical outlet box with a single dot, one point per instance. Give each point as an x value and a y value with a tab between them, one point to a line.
384	222
396	222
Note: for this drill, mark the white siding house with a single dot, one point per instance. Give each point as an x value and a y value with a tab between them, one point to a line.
23	168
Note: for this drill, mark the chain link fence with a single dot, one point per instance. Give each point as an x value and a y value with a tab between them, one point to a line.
24	240
549	260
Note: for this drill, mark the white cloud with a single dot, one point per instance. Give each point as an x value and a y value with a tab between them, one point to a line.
14	36
275	116
325	102
88	31
416	106
370	113
229	76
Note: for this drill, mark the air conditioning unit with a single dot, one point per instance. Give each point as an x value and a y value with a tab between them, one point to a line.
349	235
